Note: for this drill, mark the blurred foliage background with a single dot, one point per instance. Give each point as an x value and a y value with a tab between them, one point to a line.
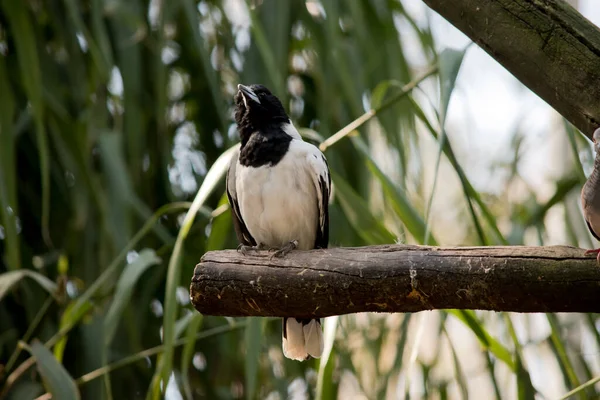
115	120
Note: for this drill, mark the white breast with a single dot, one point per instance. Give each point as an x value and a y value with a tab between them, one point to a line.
279	204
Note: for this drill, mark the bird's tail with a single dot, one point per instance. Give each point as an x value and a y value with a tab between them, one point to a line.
302	338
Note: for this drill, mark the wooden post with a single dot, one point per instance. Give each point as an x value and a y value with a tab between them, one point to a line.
397	278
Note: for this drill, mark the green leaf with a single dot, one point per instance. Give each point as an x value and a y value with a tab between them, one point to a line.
182	323
591	324
27	53
325	387
82	305
563	359
396	197
126	24
119	186
74	312
404	333
253	337
264	42
458	370
9	207
378	94
220	228
367	226
25	390
449	62
125	287
562	190
56	378
189	348
100	34
469	191
525	389
219	330
191	15
570	130
11	278
101	59
469	318
213	177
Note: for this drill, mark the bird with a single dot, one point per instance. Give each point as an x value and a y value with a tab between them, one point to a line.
590	197
278	187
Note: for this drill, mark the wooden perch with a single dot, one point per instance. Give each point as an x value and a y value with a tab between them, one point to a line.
546	44
397	278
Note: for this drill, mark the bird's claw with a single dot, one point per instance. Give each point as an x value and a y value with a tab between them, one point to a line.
245	250
594	251
285	249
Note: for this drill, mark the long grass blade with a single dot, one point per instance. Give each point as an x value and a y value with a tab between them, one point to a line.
30	330
449	66
325	386
188	352
213	177
27	53
468	189
580	388
83	302
396	198
469	318
562	357
367	226
124	290
525	389
9	208
458	370
57	379
191	17
253	338
90	376
358	122
11	278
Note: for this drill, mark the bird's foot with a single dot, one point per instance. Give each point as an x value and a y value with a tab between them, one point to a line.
245	250
285	249
594	251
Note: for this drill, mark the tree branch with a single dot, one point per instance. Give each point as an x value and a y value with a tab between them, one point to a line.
397	278
546	44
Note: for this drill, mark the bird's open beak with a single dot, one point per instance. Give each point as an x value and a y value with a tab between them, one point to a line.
248	93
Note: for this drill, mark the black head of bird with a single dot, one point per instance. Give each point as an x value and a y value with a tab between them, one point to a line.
257	108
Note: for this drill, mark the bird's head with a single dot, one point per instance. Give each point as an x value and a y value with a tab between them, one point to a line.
596	140
255	108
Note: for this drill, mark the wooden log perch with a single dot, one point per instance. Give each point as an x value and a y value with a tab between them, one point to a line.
397	278
546	44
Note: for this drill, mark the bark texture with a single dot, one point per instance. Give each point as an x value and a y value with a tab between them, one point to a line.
397	278
546	44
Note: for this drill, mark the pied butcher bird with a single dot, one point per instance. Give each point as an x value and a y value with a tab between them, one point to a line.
278	188
590	196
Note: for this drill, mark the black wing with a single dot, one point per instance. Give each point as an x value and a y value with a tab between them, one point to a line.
323	186
241	231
